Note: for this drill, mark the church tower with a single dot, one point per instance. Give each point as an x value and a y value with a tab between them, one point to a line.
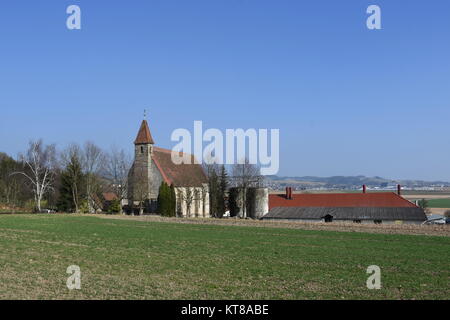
140	177
143	143
152	166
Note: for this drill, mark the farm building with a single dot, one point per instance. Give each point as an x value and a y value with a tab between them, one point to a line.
379	207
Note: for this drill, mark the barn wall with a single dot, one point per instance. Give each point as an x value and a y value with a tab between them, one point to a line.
388	222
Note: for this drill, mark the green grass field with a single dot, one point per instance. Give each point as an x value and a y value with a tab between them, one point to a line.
128	259
439	203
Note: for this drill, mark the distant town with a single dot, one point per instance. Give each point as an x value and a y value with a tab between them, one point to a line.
312	183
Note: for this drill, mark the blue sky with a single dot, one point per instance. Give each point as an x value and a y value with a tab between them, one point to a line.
347	100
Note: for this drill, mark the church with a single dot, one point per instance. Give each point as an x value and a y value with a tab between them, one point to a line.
152	166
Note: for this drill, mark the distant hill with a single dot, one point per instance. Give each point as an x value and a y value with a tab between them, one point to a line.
349	182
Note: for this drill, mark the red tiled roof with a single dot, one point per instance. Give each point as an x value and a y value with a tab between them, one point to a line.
182	175
378	199
144	136
110	196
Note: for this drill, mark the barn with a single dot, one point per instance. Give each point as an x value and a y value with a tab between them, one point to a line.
376	207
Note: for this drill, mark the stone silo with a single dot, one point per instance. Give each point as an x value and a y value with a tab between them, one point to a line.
258	202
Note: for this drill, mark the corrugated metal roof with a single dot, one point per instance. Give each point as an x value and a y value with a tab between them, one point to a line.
348	213
376	199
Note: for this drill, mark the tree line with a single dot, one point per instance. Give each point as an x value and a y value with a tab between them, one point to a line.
232	192
75	178
70	180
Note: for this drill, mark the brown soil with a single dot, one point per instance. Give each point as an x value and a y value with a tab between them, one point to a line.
435	230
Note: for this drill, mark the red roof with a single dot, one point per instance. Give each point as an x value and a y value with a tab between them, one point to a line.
110	196
181	175
144	136
378	199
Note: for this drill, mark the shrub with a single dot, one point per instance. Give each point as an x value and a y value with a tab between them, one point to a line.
114	207
166	200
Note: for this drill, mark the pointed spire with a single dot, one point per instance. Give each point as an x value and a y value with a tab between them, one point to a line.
144	136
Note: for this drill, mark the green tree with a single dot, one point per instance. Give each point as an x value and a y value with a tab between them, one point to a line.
11	185
173	201
233	201
166	200
423	204
162	199
213	183
114	206
221	192
71	189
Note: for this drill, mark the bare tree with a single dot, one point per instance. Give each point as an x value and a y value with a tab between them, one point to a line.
117	166
210	168
140	188
40	164
188	196
93	161
188	199
212	171
197	200
246	175
204	196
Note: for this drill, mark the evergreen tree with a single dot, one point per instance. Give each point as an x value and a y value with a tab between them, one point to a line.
65	203
213	183
71	189
166	200
114	206
12	191
424	205
161	202
221	192
173	201
233	202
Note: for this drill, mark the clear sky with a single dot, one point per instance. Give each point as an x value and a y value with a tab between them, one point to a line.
347	100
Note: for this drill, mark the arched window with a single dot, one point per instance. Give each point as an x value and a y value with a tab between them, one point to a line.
142	149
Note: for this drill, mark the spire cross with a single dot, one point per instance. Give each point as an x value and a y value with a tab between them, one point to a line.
145	114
